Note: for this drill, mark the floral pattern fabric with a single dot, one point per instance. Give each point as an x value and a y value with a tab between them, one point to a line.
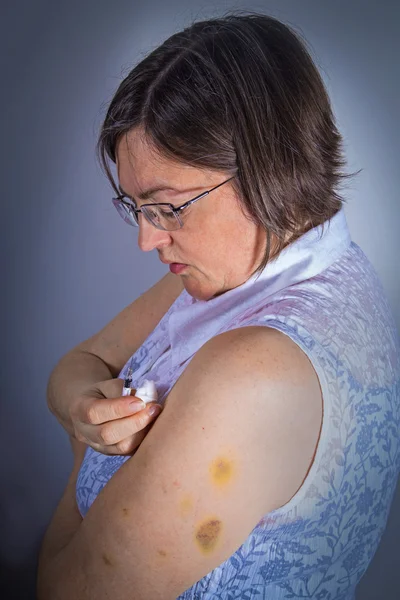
324	294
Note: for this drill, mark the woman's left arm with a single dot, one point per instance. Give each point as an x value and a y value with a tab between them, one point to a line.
234	442
67	518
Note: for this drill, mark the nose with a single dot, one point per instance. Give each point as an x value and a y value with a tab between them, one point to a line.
150	237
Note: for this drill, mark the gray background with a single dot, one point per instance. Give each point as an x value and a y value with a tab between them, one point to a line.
69	262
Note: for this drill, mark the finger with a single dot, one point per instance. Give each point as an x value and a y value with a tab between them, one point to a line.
95	411
113	432
124	447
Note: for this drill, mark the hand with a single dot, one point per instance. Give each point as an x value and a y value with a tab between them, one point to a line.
109	422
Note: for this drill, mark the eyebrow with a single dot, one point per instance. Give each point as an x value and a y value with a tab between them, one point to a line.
151	191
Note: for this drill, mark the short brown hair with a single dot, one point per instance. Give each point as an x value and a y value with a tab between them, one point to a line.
239	94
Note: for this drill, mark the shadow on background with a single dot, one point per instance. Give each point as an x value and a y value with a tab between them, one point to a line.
18	582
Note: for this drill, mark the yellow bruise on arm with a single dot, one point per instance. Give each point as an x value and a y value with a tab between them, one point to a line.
222	471
186	505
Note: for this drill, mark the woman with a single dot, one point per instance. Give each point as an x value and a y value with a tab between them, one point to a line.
272	466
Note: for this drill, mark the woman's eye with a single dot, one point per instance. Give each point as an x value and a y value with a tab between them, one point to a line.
154	212
167	213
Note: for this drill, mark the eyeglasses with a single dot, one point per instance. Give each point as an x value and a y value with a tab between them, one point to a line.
162	215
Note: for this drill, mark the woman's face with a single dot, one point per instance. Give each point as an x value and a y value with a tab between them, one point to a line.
219	245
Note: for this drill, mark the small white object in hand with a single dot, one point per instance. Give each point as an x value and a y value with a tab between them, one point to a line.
147	391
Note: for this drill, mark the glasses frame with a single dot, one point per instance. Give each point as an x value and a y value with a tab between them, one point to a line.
175	209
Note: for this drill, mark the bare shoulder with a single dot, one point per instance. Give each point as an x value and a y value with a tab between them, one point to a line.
274	354
258	354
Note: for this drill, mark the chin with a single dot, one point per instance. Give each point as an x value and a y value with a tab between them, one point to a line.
197	290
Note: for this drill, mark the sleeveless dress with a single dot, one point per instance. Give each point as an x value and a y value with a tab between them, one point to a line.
324	294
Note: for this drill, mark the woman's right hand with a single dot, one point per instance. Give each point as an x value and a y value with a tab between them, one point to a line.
109	422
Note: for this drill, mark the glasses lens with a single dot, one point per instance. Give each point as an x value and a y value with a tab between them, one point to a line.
161	217
126	212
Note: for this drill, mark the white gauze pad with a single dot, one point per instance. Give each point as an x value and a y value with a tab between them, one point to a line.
147	391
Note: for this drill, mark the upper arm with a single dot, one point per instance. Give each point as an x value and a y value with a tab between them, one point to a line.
234	442
122	336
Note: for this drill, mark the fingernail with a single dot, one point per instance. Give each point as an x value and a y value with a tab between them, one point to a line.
137	405
155	410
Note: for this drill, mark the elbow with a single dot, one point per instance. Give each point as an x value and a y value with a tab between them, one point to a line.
51	591
42	589
49	585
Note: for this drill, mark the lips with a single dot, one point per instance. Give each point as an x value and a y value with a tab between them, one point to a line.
170	262
177	268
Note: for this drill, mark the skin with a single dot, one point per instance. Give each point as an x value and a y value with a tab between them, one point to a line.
218	241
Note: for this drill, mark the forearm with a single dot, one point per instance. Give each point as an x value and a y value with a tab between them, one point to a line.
72	374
